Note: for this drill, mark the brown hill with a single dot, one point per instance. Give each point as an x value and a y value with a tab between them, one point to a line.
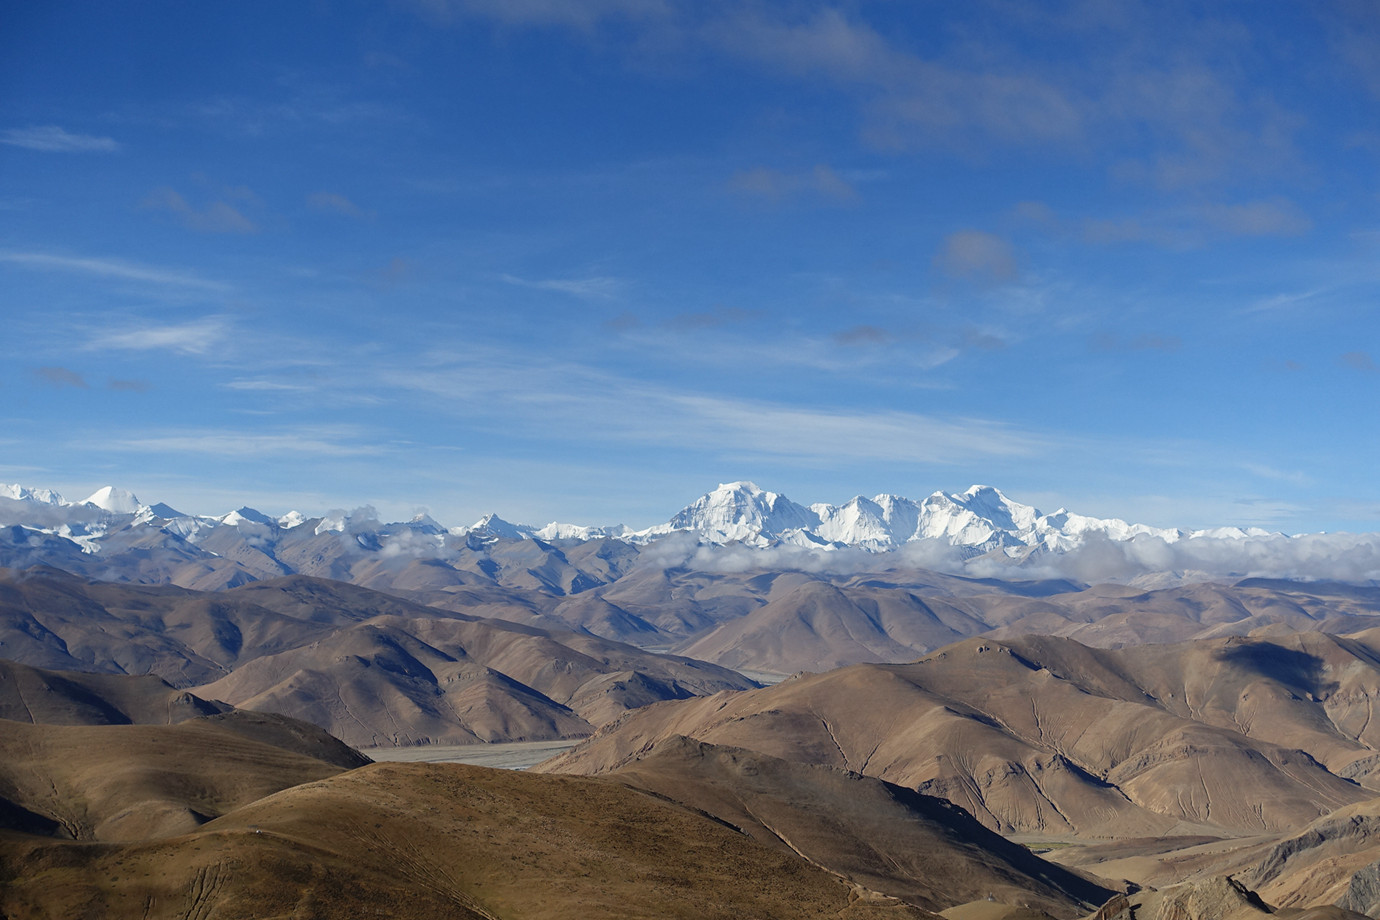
816	626
370	667
40	696
377	685
127	782
76	698
821	622
425	841
430	680
888	838
1047	736
765	620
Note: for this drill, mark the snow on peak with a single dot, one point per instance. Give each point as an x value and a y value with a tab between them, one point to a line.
247	515
38	496
558	531
979	520
425	523
114	500
491	525
742	511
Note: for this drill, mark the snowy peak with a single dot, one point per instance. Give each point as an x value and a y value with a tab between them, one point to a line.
19	493
981	519
742	511
981	516
116	501
491	525
247	515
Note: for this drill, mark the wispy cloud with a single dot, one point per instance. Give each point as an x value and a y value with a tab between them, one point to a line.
820	183
699	339
579	403
975	255
864	334
712	319
213	217
193	338
1361	361
1284	303
61	377
265	385
1177	228
910	100
1111	342
110	268
582	15
1271	217
792	433
53	139
598	287
335	203
220	442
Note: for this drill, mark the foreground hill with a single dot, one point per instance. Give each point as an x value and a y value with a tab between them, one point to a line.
225	814
425	841
191	820
1046	736
887	837
128	782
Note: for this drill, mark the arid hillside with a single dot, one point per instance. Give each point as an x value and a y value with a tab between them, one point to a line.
1049	737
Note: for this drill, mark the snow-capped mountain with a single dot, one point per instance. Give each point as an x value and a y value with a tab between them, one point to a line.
982	518
979	520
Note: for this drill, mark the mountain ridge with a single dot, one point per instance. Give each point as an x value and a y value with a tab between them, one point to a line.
980	519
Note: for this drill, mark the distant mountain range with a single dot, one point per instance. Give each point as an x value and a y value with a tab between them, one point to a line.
981	520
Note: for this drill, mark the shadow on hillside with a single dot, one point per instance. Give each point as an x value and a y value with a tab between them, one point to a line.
1294	668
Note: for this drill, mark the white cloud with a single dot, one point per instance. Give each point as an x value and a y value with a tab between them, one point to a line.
212	217
194	338
335	203
576	402
601	288
263	385
1340	557
109	268
583	14
785	432
776	185
53	139
974	255
319	441
1269	217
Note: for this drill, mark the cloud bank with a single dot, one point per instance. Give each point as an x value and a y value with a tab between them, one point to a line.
1345	557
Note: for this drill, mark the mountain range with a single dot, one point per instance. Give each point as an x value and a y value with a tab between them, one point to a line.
980	520
761	609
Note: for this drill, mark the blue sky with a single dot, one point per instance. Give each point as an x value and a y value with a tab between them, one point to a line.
583	261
